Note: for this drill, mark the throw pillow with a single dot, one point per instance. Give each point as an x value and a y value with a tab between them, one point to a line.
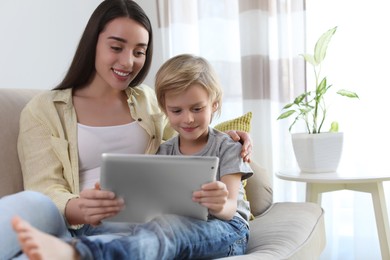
242	123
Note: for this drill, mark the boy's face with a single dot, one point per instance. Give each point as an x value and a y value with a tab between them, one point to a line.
190	113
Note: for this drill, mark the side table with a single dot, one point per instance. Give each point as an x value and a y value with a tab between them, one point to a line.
318	183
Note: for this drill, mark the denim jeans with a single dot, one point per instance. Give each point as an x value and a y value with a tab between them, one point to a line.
40	211
34	207
169	237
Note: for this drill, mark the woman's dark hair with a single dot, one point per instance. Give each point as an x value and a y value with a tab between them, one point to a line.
82	67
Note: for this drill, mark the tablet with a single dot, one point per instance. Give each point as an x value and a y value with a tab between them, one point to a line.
153	185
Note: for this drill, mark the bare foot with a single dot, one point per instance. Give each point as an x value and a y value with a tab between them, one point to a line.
40	246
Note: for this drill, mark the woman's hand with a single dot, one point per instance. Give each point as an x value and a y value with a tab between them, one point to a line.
245	139
93	206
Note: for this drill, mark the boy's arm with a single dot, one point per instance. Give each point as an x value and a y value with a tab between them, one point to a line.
220	197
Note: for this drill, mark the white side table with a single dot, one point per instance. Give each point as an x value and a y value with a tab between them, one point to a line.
318	183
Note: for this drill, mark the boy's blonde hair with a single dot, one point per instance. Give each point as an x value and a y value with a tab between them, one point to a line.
178	73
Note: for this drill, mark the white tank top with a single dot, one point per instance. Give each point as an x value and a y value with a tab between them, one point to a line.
93	141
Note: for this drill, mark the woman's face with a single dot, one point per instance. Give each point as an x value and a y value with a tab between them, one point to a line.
120	53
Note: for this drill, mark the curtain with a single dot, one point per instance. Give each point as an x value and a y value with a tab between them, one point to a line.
253	47
272	37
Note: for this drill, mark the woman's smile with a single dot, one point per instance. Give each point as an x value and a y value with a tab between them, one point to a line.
121	74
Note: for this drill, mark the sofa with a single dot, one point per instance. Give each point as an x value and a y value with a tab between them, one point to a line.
283	230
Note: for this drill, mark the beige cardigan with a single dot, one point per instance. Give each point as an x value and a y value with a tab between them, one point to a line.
47	143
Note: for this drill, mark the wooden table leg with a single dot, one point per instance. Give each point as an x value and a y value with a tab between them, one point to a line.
382	219
313	194
380	209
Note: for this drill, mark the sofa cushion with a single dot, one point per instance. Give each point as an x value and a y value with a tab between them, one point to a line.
287	230
259	190
10	107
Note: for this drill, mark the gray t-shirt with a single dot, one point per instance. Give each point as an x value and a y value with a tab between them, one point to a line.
229	153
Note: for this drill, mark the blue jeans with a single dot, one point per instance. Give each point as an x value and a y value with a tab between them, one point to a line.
169	237
34	207
40	211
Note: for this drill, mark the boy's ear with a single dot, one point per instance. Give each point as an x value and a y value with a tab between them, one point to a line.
215	107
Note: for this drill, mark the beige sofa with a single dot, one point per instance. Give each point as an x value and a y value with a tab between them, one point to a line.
280	230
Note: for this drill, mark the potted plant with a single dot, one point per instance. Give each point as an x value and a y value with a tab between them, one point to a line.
315	150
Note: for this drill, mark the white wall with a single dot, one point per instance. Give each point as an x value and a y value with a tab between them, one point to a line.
38	39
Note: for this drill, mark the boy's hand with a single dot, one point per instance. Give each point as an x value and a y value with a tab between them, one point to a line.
213	195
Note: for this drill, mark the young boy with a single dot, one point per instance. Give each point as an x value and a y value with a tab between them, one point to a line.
189	94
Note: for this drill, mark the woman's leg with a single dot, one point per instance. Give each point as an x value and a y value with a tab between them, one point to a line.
37	209
163	238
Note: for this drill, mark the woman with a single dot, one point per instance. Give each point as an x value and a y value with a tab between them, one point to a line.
100	106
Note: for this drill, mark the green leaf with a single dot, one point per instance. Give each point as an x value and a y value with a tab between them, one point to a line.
299	98
347	93
334	127
288	106
286	114
310	59
322	45
321	88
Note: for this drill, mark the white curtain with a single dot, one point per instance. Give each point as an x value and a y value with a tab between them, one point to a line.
255	45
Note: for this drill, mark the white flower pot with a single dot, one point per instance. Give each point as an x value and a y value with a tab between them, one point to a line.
318	152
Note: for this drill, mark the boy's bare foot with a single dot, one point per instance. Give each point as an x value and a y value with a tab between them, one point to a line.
40	246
